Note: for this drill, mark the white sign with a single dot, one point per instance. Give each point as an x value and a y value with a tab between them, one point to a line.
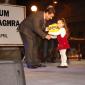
10	18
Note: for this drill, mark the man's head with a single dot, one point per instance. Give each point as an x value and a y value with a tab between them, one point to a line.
49	13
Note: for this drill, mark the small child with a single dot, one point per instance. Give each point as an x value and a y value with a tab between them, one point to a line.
63	44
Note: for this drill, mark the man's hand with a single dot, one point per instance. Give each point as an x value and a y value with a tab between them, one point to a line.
48	37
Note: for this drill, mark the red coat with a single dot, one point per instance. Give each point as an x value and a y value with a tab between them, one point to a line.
62	42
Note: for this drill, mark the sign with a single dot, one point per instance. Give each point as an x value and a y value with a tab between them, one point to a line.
10	18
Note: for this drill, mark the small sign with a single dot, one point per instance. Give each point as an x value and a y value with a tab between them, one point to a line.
10	18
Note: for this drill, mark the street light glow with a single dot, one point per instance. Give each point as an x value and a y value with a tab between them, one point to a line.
34	8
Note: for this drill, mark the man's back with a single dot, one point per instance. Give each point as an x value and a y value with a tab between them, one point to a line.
31	24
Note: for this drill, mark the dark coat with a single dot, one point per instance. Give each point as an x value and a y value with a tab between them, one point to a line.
33	25
62	42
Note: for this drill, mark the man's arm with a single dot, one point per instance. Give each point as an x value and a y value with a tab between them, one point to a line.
38	29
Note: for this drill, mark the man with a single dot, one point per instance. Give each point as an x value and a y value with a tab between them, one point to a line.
30	30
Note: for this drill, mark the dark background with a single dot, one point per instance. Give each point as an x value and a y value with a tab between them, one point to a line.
73	11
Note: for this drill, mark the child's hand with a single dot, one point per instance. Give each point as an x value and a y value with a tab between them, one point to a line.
48	37
53	36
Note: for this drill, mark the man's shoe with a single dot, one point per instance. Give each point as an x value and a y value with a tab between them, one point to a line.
32	66
62	66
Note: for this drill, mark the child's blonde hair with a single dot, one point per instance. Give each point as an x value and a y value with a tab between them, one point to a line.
65	26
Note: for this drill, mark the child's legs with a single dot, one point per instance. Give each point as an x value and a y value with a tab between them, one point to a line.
63	57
